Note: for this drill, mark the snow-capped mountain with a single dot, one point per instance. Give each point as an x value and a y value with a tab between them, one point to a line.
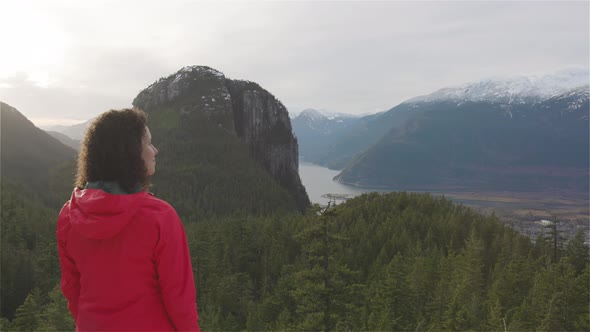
312	118
328	114
332	139
316	131
519	134
334	115
573	99
322	122
514	90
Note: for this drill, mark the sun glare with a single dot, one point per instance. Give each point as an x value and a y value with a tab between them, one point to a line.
38	45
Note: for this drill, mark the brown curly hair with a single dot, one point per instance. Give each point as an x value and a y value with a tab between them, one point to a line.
111	150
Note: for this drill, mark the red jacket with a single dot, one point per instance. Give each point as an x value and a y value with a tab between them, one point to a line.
125	263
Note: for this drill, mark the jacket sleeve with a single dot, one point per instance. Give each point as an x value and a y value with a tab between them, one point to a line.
175	274
70	276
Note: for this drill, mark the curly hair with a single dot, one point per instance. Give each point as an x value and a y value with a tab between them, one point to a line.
112	148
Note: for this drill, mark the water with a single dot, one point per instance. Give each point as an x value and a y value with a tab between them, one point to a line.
318	181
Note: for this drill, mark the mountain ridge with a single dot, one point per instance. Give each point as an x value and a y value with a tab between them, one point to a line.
481	145
518	89
29	154
331	142
75	132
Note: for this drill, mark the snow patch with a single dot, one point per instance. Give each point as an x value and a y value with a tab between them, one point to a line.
514	90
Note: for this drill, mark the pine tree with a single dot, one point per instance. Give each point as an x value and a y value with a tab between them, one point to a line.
581	309
577	251
466	308
5	324
28	316
56	316
554	238
392	302
328	293
508	291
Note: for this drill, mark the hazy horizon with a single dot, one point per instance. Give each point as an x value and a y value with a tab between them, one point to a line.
69	61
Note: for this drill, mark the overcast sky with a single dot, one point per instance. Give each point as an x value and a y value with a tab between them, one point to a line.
67	61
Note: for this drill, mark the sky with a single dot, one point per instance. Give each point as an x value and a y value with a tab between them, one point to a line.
63	62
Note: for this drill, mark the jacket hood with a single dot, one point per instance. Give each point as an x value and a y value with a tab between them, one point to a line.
99	215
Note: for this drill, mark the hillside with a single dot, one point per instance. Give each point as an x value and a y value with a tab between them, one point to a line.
464	142
29	154
75	132
317	132
37	178
65	140
334	141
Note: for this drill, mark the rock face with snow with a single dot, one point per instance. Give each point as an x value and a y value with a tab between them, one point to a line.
515	90
525	134
202	100
191	89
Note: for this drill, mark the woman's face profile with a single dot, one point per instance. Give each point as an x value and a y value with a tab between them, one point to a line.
149	152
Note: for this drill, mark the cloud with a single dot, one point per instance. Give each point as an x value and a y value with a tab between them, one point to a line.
37	102
354	57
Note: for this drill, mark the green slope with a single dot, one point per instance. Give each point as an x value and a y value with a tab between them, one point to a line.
480	146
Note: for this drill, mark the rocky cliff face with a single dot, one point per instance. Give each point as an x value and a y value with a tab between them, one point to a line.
242	108
262	122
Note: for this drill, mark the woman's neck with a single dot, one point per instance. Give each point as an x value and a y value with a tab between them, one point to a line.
111	187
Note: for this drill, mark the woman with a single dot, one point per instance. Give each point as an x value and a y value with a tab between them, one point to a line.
123	252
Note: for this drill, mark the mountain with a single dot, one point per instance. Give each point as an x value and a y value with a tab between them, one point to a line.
75	132
484	136
316	132
514	90
332	140
37	178
64	139
29	154
225	145
320	123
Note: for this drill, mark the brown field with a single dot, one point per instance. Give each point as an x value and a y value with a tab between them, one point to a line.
522	211
571	206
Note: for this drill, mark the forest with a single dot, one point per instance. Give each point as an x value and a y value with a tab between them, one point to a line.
397	262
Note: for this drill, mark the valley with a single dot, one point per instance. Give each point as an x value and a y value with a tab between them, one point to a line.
523	211
467	240
519	210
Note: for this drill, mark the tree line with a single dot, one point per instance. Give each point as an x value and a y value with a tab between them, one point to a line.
397	261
